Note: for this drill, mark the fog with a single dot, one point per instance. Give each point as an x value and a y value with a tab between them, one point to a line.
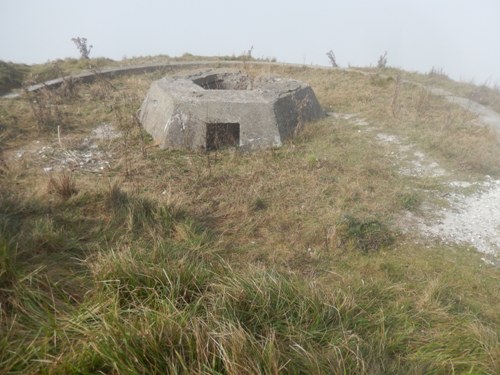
461	37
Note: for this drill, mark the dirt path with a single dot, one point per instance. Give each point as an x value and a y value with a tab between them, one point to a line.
486	115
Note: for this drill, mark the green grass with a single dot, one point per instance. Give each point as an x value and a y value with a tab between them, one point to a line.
167	308
279	261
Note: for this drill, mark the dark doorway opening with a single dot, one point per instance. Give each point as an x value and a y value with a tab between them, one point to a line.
222	135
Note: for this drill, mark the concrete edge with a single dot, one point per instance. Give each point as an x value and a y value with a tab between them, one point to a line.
89	76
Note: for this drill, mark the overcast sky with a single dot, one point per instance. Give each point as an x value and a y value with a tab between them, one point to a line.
462	37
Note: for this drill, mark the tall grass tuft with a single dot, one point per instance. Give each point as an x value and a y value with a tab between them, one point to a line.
64	185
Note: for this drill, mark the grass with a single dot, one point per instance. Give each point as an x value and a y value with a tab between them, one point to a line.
441	129
486	93
63	186
280	261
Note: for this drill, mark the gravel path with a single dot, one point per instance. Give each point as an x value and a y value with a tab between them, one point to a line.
476	218
473	219
469	218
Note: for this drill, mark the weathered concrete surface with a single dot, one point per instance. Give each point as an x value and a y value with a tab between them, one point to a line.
226	108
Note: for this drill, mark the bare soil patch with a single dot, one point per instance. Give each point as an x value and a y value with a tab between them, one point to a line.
92	152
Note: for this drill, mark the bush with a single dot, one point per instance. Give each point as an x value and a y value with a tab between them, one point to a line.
382	61
83	47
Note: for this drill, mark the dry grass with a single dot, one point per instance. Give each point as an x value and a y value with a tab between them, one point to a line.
63	185
486	93
445	131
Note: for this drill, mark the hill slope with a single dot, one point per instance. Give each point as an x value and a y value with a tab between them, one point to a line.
118	257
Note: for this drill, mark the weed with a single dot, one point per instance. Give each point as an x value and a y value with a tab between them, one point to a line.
116	197
409	200
485	95
422	103
46	113
68	91
332	59
395	105
438	73
382	61
3	163
259	204
50	238
124	110
381	81
64	186
249	53
8	269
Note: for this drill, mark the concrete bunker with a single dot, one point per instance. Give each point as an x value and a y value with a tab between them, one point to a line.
225	108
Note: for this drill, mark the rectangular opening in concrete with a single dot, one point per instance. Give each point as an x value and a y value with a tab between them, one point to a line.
234	81
211	82
222	135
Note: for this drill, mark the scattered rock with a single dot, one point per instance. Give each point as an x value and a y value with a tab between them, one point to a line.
474	219
92	153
